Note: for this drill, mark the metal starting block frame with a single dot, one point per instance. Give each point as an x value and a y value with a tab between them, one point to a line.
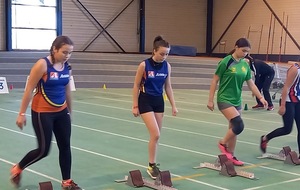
135	179
45	185
286	155
226	168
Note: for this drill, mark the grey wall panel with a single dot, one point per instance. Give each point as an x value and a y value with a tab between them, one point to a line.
253	18
2	25
180	22
83	29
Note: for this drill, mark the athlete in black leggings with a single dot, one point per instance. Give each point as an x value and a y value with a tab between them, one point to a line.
51	110
264	74
289	108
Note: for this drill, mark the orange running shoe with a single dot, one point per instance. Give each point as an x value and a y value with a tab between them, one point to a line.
69	185
15	175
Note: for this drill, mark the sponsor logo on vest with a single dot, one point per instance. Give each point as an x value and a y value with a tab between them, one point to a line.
64	76
161	75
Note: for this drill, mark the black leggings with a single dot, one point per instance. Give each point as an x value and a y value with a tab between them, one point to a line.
292	112
44	124
263	84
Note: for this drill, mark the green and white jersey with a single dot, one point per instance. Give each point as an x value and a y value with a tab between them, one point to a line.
232	75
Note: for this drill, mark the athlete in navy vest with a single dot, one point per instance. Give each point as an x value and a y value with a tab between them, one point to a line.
152	77
51	110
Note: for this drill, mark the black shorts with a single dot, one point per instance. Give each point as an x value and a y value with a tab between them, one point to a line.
148	103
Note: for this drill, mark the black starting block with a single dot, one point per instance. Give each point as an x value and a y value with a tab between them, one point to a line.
226	167
286	155
45	185
135	179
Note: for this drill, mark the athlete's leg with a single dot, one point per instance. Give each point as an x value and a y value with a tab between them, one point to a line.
232	142
62	132
153	127
42	124
266	89
230	137
297	119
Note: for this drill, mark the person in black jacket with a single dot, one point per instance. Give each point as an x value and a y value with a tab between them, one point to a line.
264	74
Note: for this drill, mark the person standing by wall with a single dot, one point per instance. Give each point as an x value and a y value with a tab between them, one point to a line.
289	108
231	73
153	74
264	75
51	110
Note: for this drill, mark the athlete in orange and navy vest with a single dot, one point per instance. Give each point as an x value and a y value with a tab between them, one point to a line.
50	95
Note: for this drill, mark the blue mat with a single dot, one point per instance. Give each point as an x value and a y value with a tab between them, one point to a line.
183	50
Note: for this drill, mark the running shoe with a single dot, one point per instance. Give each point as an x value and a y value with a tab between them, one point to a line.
15	176
69	185
257	106
236	162
153	171
263	144
270	108
224	150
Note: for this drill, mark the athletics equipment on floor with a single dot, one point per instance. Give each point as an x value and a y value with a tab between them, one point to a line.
135	179
45	185
286	155
226	167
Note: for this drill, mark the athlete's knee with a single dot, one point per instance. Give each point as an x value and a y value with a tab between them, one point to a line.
155	136
237	125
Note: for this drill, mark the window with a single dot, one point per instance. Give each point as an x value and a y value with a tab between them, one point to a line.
33	24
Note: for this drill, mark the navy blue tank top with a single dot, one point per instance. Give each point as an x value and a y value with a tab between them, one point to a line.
154	77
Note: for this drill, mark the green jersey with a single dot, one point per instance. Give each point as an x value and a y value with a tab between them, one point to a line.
232	75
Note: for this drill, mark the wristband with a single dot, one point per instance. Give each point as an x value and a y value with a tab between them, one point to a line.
22	114
134	107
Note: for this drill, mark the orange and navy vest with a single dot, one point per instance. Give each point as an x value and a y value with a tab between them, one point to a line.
50	95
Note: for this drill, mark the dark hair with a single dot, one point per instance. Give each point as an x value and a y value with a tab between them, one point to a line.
58	43
160	42
242	42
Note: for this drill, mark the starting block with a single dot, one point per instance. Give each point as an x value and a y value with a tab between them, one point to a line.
135	179
226	167
286	155
45	185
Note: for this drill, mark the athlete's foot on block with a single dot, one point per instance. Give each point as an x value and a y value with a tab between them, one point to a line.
153	171
224	150
15	176
69	185
236	162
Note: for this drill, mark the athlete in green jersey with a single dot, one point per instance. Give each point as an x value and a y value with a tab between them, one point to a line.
231	73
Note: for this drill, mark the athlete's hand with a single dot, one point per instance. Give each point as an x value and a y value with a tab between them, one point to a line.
281	110
135	111
174	111
21	121
210	105
264	102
